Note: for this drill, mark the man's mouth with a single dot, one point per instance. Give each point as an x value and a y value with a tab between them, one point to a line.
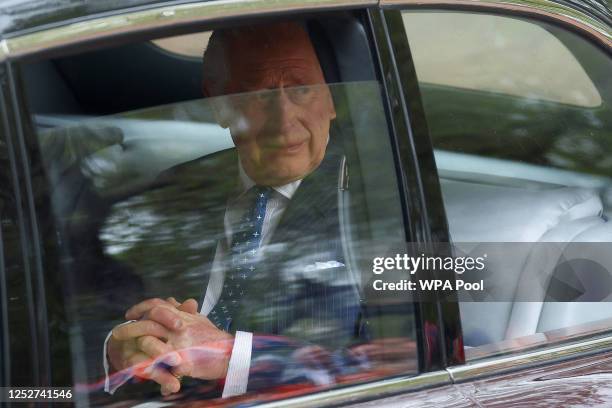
294	147
289	148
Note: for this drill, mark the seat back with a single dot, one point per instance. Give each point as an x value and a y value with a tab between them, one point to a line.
487	213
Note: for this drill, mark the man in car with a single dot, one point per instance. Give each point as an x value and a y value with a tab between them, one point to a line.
282	217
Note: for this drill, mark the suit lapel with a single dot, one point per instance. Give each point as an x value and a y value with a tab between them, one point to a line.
313	208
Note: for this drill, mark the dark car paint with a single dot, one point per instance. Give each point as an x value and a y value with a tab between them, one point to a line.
33	14
585	382
21	15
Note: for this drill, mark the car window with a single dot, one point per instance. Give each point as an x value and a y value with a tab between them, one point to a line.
484	54
189	45
233	182
519	117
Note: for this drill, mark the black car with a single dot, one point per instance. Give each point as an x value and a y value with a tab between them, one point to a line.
478	132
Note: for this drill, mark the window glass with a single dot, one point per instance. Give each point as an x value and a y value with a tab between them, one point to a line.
253	198
190	45
519	114
483	51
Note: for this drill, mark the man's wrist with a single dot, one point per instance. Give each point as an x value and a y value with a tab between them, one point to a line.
228	354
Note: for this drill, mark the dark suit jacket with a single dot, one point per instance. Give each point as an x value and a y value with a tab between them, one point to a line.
302	292
301	287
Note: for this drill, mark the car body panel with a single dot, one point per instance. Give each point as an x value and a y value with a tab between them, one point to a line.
585	382
581	380
18	15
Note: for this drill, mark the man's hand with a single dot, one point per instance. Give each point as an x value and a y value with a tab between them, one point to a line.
204	350
143	343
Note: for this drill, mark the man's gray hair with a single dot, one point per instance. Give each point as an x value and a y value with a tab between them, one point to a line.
216	68
215	62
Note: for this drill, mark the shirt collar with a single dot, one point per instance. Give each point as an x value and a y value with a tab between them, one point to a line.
286	190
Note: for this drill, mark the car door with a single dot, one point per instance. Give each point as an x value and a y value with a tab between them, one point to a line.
93	101
506	97
24	359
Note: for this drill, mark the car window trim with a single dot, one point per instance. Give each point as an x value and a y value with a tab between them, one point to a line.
560	14
451	375
36	290
95	29
5	369
8	106
397	122
420	186
499	365
364	392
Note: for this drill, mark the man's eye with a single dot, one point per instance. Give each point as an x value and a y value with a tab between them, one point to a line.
303	90
265	96
301	94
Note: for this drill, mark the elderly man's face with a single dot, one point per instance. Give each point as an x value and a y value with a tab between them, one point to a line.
283	126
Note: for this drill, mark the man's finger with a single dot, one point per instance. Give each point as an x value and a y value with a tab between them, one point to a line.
140	328
185	368
173	301
153	346
138	359
137	311
168	382
152	371
168	317
189	306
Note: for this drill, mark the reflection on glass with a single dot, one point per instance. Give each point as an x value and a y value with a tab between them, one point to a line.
519	115
159	203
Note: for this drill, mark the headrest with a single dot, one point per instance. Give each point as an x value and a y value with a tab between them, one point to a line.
486	213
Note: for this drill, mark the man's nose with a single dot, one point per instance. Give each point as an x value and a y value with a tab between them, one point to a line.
284	111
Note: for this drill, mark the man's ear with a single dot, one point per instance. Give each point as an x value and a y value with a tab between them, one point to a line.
222	109
220	106
332	108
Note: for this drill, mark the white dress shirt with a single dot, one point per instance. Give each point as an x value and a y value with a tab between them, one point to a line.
236	381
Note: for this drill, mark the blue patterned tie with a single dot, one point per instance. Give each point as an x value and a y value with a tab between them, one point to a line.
246	241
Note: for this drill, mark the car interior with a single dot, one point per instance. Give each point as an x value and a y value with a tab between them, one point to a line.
486	199
504	184
112	122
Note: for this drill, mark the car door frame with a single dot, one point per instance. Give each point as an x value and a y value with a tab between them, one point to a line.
21	297
591	26
425	219
90	32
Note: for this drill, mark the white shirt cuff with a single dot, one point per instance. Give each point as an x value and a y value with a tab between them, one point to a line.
237	378
107	386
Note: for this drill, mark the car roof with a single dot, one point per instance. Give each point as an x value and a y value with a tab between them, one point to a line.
25	15
31	15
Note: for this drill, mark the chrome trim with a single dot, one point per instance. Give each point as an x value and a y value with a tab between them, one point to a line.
3	51
546	8
482	368
343	177
497	365
161	17
356	393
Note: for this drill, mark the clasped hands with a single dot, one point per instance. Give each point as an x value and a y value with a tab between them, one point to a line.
172	333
